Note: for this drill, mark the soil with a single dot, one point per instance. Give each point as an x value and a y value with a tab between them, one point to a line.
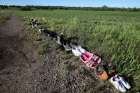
22	71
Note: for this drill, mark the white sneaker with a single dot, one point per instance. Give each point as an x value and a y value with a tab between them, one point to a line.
58	40
117	84
67	47
126	84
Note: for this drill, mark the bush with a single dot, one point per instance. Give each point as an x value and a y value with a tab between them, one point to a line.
26	8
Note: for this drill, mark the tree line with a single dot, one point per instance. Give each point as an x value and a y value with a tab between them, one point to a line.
31	7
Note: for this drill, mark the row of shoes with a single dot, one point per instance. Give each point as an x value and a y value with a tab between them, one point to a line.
118	81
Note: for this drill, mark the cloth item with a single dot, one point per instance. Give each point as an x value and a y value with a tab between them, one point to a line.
67	47
91	60
82	50
96	59
58	40
63	40
103	75
77	51
86	57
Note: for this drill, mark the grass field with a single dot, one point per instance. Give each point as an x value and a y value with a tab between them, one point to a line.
114	35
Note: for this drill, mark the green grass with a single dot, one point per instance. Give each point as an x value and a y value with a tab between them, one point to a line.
114	35
3	16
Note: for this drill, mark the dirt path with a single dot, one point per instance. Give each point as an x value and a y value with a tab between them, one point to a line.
17	58
21	71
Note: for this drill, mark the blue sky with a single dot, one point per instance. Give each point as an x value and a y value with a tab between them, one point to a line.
87	3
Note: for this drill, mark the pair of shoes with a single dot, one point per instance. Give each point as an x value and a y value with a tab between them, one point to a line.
119	83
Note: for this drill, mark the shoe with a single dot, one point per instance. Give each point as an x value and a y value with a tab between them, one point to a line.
126	84
117	84
67	48
103	75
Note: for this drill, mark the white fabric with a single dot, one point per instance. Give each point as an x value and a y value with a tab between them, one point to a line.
117	85
77	51
81	49
126	84
58	40
67	47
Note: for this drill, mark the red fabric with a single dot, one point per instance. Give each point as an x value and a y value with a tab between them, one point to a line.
92	58
86	57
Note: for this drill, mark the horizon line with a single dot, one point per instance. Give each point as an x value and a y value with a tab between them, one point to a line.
67	6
